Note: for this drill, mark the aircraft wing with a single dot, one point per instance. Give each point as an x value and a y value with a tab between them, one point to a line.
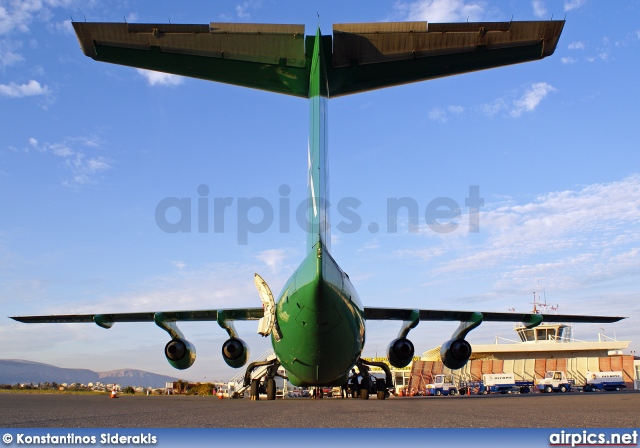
371	313
169	316
358	57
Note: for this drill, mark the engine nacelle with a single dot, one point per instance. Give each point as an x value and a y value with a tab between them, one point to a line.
455	353
400	352
180	353
235	352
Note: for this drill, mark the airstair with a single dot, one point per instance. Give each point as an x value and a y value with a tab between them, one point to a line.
236	384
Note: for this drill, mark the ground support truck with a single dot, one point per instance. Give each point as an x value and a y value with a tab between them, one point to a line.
607	381
496	383
555	381
442	385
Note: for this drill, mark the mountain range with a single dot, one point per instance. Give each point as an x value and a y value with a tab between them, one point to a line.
14	371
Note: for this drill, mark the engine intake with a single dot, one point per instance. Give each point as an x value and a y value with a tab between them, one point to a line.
455	353
180	353
235	352
400	352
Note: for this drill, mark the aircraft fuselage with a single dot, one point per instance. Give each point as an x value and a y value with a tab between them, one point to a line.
321	322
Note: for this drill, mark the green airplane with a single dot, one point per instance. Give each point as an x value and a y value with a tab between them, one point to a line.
317	325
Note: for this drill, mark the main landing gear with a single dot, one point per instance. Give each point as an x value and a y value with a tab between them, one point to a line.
267	387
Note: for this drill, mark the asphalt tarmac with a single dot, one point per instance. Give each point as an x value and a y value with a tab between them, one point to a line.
573	410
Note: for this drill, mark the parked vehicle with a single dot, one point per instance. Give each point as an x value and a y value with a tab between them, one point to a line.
604	381
442	385
496	383
555	381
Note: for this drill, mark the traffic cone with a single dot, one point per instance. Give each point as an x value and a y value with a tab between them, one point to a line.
114	393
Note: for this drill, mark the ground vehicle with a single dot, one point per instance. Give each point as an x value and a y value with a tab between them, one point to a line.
604	381
496	383
555	381
442	385
504	383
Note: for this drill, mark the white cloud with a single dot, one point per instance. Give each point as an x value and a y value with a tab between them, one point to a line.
438	115
83	166
179	264
8	53
32	88
273	258
442	115
132	17
17	15
570	5
568	60
65	27
576	45
531	98
495	107
539	9
161	79
585	235
436	11
243	10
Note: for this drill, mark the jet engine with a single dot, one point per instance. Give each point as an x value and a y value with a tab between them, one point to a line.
400	352
235	352
455	353
180	353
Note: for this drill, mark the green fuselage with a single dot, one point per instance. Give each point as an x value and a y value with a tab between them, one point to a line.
321	321
319	314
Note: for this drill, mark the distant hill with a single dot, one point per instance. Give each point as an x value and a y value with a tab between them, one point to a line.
14	371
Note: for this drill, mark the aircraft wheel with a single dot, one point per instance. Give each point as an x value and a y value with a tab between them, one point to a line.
254	393
271	389
364	394
381	395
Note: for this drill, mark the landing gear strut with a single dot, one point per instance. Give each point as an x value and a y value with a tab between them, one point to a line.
382	386
270	382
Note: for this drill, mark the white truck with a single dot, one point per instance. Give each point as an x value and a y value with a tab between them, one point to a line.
555	381
604	381
442	385
503	383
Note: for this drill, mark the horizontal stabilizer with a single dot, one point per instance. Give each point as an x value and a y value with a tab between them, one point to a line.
374	55
262	56
277	58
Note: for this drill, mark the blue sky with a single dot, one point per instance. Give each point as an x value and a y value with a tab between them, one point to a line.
88	151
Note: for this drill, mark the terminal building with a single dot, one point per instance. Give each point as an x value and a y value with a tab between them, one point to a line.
537	350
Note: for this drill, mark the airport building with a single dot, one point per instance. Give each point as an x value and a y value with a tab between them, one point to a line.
548	347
